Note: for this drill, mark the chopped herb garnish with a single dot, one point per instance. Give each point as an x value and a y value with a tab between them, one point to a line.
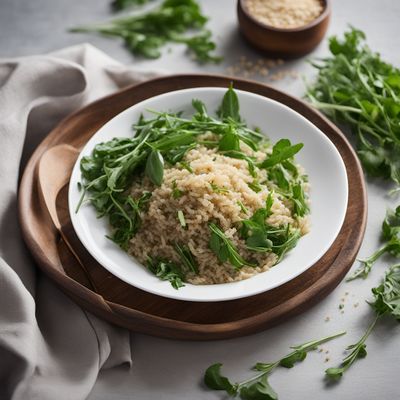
218	189
258	387
242	207
187	166
166	271
255	186
187	258
176	193
224	248
391	235
181	219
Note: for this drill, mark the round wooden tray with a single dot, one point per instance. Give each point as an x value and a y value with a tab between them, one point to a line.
142	312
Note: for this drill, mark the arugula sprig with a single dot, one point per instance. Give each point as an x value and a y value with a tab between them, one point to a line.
391	235
166	271
386	302
356	88
282	171
262	237
145	34
187	258
224	249
258	387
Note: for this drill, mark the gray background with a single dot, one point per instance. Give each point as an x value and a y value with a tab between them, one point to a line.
172	370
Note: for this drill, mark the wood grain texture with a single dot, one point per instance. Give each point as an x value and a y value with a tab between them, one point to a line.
284	43
142	312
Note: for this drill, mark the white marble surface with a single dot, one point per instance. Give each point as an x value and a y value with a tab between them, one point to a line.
172	370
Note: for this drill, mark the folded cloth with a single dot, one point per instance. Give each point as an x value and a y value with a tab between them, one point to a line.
49	347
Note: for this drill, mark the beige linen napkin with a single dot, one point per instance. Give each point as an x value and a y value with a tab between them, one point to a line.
49	347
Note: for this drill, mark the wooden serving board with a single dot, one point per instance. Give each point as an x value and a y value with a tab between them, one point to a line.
124	305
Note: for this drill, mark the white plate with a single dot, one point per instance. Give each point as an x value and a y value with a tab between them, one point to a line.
319	157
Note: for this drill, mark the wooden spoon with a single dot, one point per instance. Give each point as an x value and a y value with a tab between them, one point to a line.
54	171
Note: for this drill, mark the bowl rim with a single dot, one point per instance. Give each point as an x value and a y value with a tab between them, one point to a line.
186	297
317	21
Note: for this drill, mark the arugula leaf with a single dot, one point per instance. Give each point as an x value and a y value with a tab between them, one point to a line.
166	271
187	258
262	237
299	200
260	390
229	142
282	150
387	295
155	167
224	248
229	109
258	387
391	234
214	380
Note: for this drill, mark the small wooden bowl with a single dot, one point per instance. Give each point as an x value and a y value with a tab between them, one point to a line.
279	42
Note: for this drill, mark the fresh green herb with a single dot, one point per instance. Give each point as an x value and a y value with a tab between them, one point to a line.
218	189
283	150
229	109
230	141
187	166
181	219
257	387
299	200
187	258
386	302
176	193
126	217
242	207
145	34
356	88
155	167
224	248
262	237
122	4
166	271
391	235
255	186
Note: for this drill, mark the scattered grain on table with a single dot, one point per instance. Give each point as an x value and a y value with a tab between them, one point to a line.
260	68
